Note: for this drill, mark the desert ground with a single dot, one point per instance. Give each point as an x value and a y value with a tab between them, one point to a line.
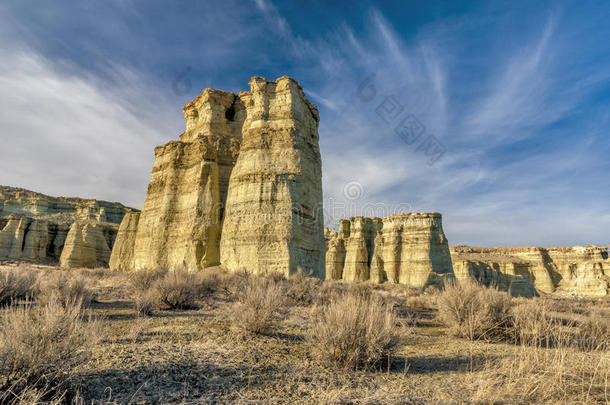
96	336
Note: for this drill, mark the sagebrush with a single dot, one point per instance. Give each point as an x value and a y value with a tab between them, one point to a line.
41	348
353	331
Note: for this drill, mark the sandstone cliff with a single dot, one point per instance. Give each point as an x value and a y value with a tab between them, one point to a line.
409	249
578	270
273	219
241	187
87	245
35	226
122	253
180	221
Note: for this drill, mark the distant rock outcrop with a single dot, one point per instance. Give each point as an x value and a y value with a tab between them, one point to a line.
577	270
87	245
34	226
408	249
122	253
242	187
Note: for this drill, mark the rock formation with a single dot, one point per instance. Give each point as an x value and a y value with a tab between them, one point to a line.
273	219
180	221
578	270
359	248
34	226
87	245
409	249
335	250
242	187
122	253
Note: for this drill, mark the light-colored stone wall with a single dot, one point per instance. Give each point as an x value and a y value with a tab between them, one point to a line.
122	253
179	223
34	226
273	220
578	270
243	186
409	249
86	246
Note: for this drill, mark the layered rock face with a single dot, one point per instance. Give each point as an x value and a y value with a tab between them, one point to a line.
87	245
273	220
59	209
180	224
122	253
34	226
242	187
578	270
408	249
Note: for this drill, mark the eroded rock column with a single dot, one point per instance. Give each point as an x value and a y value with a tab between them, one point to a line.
273	218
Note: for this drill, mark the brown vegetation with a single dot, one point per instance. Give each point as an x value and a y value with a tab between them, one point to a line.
65	287
41	349
258	305
472	311
246	339
17	284
354	331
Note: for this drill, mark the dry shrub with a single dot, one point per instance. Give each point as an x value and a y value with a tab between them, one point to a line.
258	305
178	289
561	305
138	327
143	280
363	289
67	288
17	284
533	325
97	272
417	302
535	375
473	311
594	333
145	303
234	283
276	276
41	349
301	289
209	281
329	290
353	331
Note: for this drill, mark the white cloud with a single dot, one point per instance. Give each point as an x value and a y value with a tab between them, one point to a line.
71	134
66	131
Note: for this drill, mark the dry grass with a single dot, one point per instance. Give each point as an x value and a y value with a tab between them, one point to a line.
354	331
302	290
417	302
145	303
473	311
17	284
594	333
67	287
180	356
41	349
178	289
533	324
258	306
536	375
143	280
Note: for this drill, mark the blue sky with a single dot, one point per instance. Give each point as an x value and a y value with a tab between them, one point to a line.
516	94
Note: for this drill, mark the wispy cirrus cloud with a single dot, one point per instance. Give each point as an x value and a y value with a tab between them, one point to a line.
70	134
518	98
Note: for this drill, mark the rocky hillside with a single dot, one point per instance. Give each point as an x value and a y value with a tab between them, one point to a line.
75	232
409	249
576	270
